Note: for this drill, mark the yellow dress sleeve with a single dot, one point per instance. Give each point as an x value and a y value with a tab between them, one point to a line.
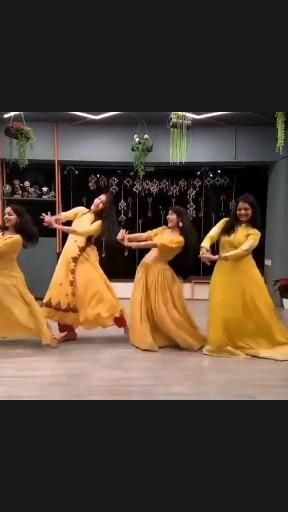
214	235
150	235
176	243
71	215
10	245
94	230
247	248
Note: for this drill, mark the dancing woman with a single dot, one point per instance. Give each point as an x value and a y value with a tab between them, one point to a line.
243	320
21	316
159	316
80	293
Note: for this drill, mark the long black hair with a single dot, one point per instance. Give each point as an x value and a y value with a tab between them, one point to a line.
183	263
109	218
234	222
25	226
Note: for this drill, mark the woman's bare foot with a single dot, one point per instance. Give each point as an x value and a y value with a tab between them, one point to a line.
54	344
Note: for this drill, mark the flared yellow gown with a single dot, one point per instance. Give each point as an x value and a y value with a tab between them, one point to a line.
80	293
159	317
243	320
20	315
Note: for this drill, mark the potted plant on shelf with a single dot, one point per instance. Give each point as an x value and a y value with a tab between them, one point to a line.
281	131
20	137
179	124
141	147
281	285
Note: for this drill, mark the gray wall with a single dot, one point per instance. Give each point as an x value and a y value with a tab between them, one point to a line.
219	144
277	223
38	265
101	143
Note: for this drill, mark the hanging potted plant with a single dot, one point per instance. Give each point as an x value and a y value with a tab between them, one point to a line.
179	124
141	147
20	137
282	287
281	131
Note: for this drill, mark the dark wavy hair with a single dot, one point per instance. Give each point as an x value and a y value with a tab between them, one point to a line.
233	222
183	263
109	218
25	226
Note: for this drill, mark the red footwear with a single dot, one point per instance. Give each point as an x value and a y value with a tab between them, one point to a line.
63	328
69	336
120	322
69	333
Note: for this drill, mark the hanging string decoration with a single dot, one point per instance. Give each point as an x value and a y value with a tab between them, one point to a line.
150	211
281	131
179	125
154	187
92	182
122	207
191	206
103	181
150	198
114	185
130	201
128	182
138	186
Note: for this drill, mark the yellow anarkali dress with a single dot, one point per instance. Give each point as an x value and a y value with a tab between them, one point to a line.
20	315
243	320
80	294
159	316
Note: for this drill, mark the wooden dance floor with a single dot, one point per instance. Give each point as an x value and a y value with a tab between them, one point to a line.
104	366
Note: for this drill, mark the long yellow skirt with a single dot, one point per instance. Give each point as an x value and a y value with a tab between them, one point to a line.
159	317
20	315
85	298
243	320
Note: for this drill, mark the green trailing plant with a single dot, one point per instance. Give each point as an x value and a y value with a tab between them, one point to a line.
21	137
281	131
141	147
179	125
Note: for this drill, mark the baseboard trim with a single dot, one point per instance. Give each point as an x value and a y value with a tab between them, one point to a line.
195	290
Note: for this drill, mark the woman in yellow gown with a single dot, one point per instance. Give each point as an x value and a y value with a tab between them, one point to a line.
243	320
20	315
80	293
159	316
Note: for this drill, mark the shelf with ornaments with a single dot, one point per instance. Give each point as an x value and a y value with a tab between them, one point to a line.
33	187
28	199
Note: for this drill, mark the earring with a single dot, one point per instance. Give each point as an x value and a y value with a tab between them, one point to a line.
180	225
